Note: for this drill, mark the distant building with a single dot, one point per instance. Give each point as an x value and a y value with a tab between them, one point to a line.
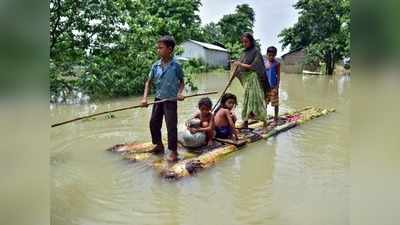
210	54
293	62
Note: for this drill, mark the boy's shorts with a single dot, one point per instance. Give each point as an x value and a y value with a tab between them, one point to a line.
272	97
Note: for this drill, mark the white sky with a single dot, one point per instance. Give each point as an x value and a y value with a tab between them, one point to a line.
272	16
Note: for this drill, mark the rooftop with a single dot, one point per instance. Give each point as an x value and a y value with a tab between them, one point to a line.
291	52
209	46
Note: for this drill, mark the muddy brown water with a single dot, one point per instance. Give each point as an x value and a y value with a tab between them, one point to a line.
300	177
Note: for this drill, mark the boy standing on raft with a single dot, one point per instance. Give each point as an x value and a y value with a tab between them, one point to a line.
273	74
167	77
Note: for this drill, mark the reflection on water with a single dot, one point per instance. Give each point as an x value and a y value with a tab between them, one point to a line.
299	177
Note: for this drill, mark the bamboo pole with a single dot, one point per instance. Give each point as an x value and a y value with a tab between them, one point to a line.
232	76
129	107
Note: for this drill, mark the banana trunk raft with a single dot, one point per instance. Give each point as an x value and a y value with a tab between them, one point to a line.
194	160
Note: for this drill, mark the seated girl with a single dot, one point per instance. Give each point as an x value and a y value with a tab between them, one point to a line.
200	127
224	118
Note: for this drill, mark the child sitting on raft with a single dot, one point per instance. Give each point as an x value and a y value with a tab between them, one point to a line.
200	127
224	118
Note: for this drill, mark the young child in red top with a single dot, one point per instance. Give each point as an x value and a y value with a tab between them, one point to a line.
273	73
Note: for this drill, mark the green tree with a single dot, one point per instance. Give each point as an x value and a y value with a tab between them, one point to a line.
211	33
229	29
231	26
80	32
234	25
107	47
235	50
322	29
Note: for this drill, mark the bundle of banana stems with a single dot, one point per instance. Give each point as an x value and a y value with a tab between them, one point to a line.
192	163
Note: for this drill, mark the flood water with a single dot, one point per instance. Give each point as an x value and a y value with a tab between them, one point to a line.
300	177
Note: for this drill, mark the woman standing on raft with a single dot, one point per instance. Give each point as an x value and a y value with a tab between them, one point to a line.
250	71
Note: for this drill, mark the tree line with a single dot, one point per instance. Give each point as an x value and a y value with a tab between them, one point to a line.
105	48
322	29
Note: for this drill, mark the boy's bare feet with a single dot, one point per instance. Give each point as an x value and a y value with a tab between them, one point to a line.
173	156
159	149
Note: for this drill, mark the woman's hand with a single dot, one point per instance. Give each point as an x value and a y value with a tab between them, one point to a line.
237	63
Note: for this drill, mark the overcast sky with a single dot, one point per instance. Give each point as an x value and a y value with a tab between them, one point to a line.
271	17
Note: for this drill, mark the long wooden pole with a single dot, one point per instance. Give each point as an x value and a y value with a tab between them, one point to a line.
129	107
232	76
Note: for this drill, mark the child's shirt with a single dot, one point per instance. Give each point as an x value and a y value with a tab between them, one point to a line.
271	71
166	79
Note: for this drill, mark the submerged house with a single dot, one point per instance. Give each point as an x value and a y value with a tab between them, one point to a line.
293	62
212	55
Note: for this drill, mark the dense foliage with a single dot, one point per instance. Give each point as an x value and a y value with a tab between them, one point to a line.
229	29
105	48
323	29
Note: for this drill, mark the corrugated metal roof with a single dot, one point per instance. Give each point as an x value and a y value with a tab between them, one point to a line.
181	58
209	46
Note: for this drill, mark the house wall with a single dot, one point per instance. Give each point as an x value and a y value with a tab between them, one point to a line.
212	58
293	62
192	50
294	58
216	58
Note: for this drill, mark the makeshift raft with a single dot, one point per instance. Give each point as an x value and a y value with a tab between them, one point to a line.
194	160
